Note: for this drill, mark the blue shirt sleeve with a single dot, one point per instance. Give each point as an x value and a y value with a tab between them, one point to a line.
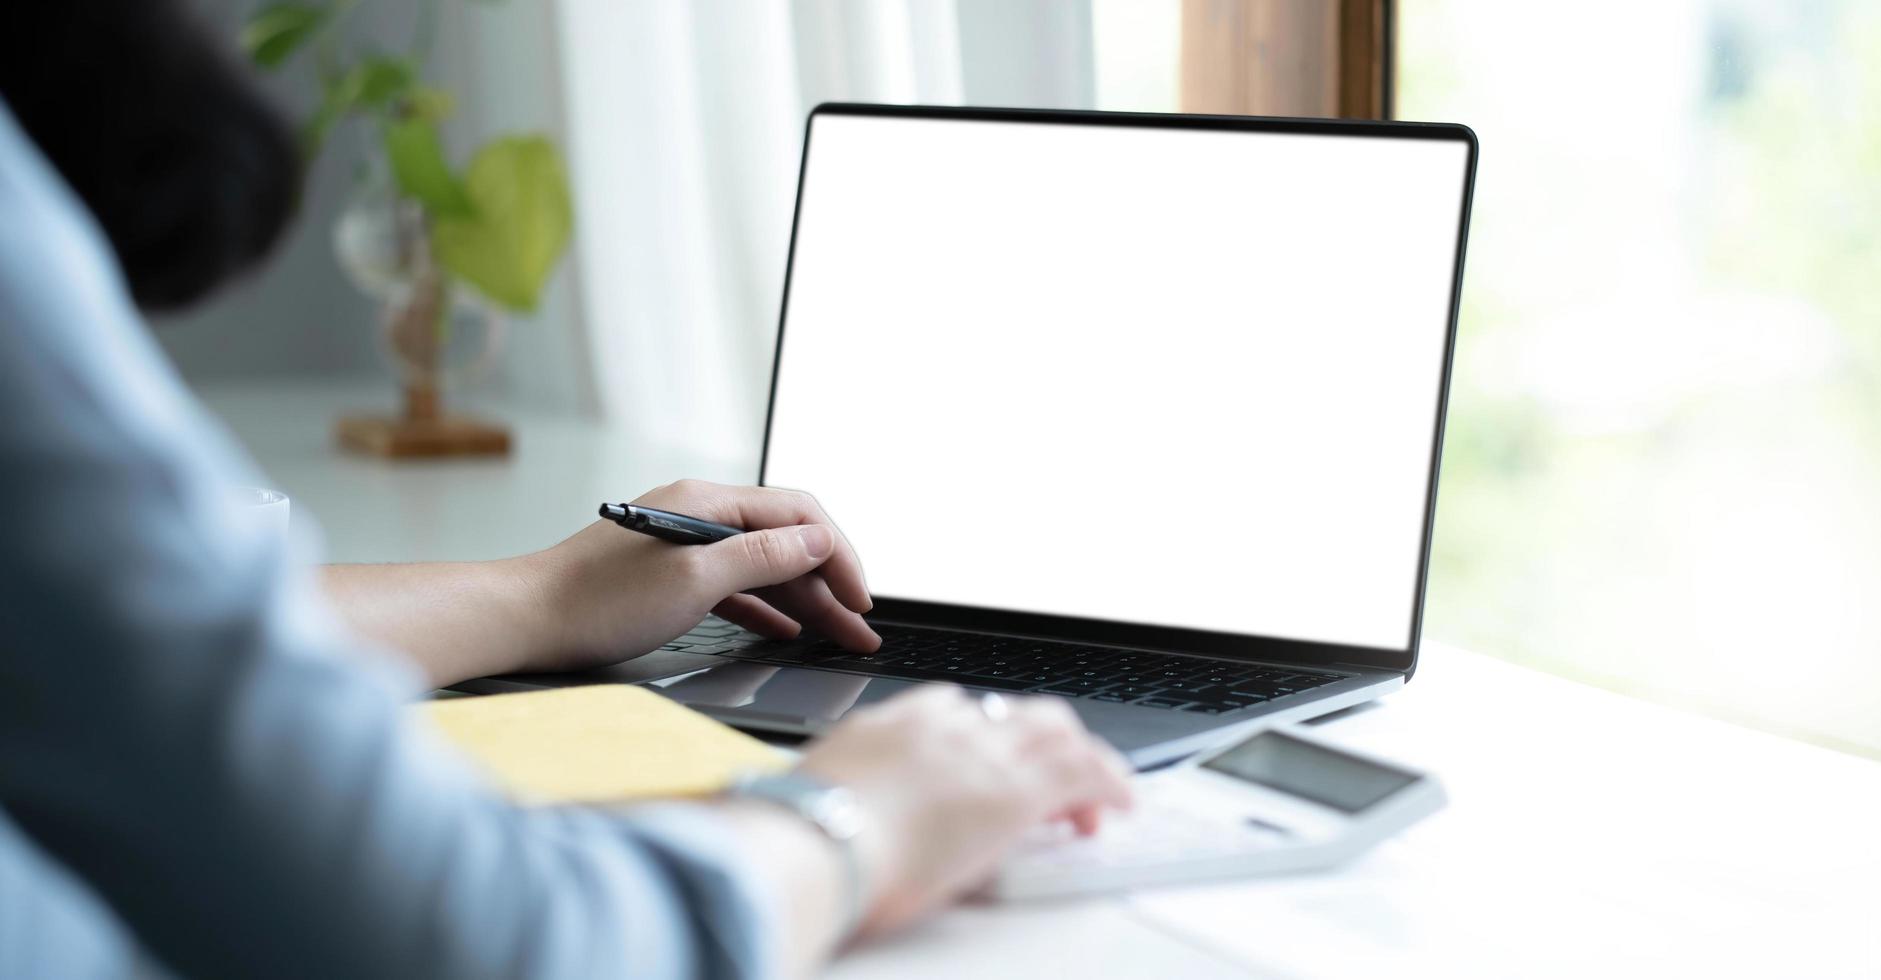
187	729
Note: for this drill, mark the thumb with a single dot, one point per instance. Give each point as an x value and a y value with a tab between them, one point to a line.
769	557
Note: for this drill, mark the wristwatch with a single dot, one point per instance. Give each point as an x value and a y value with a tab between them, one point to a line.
833	810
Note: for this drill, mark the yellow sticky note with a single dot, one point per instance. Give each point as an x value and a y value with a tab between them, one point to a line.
599	743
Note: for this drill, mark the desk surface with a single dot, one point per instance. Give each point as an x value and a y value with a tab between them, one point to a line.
1586	831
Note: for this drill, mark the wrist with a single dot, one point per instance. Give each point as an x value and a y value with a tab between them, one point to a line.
836	816
800	872
531	588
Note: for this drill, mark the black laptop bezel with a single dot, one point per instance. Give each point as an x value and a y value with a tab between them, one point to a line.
1235	646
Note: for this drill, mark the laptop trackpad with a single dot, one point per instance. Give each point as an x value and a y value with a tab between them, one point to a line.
811	699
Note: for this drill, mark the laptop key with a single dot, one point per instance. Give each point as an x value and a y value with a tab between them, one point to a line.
1159	703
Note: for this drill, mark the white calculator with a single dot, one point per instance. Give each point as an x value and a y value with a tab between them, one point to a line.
1278	801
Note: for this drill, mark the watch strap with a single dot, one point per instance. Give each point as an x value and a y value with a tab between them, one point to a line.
835	813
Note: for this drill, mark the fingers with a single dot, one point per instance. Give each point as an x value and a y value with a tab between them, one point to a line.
758	616
769	507
1086	819
1083	772
1119	775
809	600
774	565
759	558
1048	734
1075	775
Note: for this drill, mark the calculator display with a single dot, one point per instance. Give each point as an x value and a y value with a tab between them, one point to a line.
1310	772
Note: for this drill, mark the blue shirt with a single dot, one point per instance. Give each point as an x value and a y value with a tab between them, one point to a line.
201	770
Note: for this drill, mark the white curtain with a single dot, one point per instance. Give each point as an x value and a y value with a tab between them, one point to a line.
685	128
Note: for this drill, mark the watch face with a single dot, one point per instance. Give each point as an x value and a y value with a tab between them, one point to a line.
834	809
838	813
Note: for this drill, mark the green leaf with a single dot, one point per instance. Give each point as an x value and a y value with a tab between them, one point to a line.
434	104
376	82
510	245
372	84
276	31
417	157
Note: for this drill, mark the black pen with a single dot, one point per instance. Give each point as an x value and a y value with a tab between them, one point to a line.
666	525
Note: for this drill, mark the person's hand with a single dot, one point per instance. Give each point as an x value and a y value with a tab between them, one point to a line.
609	594
948	788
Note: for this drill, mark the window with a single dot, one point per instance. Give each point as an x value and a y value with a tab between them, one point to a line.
1663	468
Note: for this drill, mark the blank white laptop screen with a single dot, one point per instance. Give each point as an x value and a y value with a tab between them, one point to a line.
1166	376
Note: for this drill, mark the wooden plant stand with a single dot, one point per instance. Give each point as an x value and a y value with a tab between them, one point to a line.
424	430
412	328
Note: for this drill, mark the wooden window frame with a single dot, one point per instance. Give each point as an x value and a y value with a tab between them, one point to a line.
1319	58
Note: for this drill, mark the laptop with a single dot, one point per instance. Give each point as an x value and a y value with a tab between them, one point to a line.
1139	411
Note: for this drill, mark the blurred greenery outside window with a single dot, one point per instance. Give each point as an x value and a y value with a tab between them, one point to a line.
1662	472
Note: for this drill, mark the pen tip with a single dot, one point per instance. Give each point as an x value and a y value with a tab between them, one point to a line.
613	511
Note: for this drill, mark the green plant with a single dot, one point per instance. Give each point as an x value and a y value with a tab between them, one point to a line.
499	226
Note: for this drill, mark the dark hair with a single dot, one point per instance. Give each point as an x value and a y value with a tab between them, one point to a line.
148	116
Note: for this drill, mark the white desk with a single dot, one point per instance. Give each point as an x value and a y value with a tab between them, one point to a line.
1588	833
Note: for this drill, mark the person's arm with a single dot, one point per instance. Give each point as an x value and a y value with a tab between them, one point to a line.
607	594
185	727
453	620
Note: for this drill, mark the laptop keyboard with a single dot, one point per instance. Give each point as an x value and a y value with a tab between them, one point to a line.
1004	663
